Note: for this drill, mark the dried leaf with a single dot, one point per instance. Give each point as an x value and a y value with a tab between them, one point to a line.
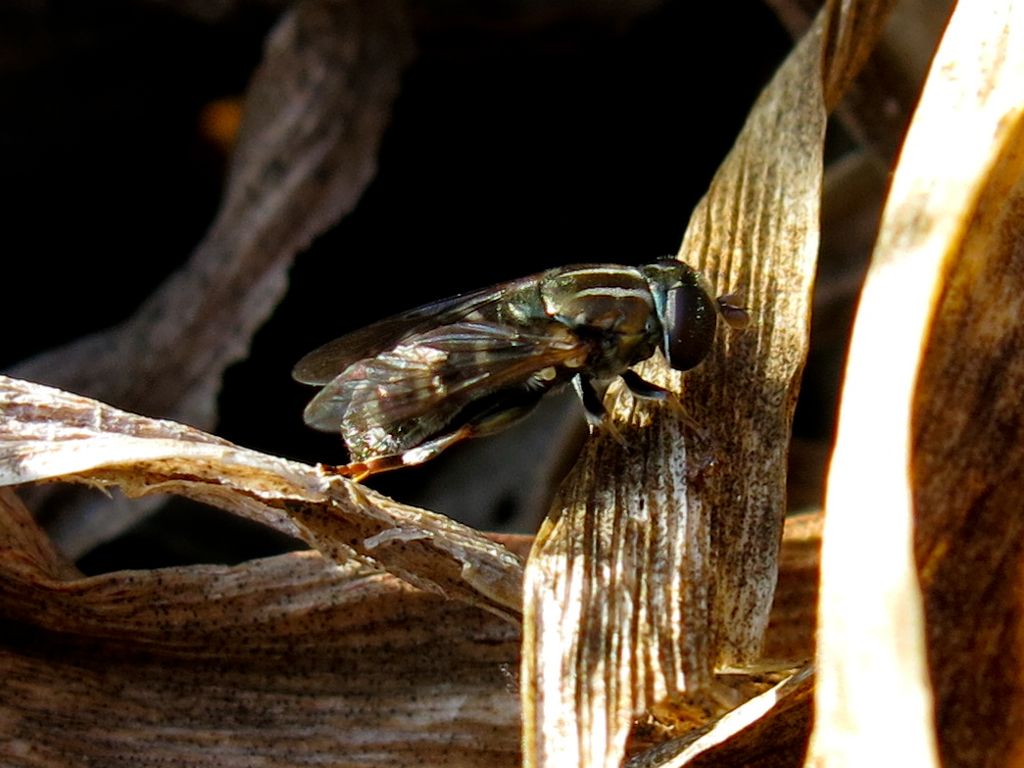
929	436
285	661
659	562
769	730
773	727
967	465
314	117
47	434
876	107
795	609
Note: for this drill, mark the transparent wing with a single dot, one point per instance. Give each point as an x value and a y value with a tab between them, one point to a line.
439	379
323	364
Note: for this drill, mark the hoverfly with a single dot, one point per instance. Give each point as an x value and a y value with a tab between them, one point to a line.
403	389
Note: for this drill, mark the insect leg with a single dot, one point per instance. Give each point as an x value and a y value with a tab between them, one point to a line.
593	407
360	470
643	388
646	390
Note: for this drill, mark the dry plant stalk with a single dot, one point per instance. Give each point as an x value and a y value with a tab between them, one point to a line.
658	563
286	661
925	483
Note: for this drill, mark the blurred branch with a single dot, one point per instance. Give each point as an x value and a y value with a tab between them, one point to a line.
314	116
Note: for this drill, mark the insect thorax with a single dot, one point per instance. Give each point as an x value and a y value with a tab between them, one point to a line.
611	308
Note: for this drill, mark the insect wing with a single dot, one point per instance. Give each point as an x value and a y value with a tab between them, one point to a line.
416	390
323	364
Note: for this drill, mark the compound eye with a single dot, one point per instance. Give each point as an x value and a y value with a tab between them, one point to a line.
689	326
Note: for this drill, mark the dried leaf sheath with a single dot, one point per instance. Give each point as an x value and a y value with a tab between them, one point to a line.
683	531
757	229
934	370
615	603
968	465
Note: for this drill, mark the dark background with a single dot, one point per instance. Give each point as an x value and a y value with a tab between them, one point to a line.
519	141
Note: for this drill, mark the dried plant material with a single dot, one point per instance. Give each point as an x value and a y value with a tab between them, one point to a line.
285	661
757	228
288	660
314	117
967	470
967	446
876	107
773	729
768	730
791	628
659	561
852	199
937	339
47	434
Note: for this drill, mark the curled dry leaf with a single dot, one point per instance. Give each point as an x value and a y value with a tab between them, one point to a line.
929	456
286	661
658	562
47	434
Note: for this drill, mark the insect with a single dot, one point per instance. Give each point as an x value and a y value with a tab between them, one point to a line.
405	388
